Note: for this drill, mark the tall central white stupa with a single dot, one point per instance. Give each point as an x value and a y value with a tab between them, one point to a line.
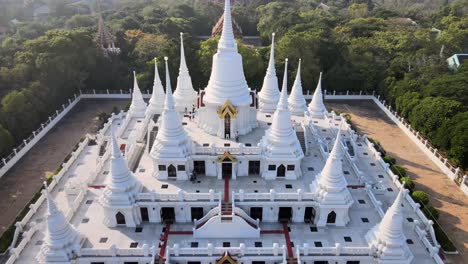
227	106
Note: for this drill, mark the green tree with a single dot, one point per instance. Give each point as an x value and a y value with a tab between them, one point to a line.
276	17
77	21
452	135
431	112
6	142
406	103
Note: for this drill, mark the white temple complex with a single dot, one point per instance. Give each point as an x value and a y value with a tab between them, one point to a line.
277	182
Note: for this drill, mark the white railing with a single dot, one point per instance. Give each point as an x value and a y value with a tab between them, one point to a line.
212	213
181	196
242	250
113	251
337	250
432	153
18	152
240	150
272	196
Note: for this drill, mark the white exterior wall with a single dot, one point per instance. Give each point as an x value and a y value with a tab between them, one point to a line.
244	122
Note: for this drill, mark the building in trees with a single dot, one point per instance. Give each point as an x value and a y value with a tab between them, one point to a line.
228	184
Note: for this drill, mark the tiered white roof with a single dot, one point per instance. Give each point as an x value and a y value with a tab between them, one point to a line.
297	102
387	238
122	187
317	107
184	94
61	238
269	95
280	139
330	185
171	141
156	103
227	80
138	105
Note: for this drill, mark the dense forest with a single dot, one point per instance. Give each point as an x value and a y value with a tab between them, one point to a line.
396	48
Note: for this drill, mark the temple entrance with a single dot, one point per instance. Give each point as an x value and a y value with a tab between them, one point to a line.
226	170
227	126
120	218
256	213
171	171
285	214
144	214
331	218
167	215
254	167
199	167
309	215
197	212
281	172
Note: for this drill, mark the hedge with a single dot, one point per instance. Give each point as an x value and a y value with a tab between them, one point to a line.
409	183
420	197
389	159
398	170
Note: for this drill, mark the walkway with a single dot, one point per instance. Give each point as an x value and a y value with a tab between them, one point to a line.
21	182
445	195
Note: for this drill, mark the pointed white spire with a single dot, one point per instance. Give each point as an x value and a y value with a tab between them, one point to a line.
387	238
269	95
227	80
317	107
281	139
184	94
332	178
62	239
138	105
227	41
171	140
169	102
122	185
156	103
297	103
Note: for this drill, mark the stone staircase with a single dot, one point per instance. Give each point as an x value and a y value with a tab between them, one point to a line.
291	260
152	136
301	138
226	208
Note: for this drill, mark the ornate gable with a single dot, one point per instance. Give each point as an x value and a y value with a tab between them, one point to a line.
227	109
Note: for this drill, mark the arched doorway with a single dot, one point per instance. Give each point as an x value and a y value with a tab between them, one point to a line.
227	112
171	171
331	218
281	172
120	218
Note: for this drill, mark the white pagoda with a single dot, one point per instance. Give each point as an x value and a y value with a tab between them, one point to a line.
184	95
172	147
227	105
234	182
268	97
297	102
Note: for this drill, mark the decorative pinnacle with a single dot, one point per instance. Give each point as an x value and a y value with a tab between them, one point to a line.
283	102
227	41
271	64
169	103
183	63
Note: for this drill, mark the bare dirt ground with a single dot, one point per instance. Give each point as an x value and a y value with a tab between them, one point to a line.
21	182
444	194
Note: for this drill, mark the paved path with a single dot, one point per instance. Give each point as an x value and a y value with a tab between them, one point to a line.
444	194
21	182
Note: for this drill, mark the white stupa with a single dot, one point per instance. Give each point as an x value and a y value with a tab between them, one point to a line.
387	238
138	105
227	88
317	107
171	148
280	142
118	197
330	188
268	97
297	102
156	103
184	95
62	241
